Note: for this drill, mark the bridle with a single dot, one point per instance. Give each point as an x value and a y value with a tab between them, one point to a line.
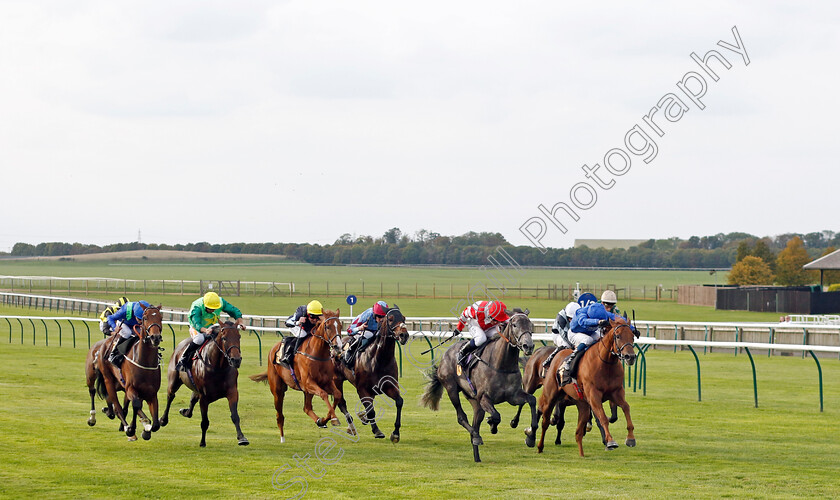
226	353
518	344
619	351
324	338
391	332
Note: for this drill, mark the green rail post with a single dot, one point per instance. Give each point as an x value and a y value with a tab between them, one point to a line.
88	332
676	334
259	343
33	330
643	369
770	341
543	343
46	333
697	360
755	382
705	337
400	348
59	332
737	338
804	340
173	336
21	330
73	328
10	329
819	370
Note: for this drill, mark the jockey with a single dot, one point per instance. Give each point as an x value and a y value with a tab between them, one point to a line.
204	315
363	328
302	322
104	327
561	328
483	319
128	316
586	330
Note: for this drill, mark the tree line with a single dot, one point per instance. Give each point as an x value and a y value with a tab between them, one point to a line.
430	248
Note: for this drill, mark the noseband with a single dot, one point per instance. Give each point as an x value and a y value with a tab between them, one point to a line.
618	351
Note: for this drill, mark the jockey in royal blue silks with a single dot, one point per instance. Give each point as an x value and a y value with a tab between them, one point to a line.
123	322
586	330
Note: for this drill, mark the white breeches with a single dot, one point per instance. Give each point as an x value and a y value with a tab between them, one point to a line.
103	327
298	332
366	334
124	331
582	338
559	341
480	335
197	337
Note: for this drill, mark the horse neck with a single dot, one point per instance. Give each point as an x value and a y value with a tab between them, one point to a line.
505	354
213	355
145	352
605	353
317	346
384	350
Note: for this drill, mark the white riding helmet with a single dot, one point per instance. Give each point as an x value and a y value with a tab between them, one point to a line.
571	309
609	297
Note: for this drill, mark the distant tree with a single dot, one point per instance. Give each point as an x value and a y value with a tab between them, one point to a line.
751	271
344	239
392	236
814	240
742	251
789	264
763	252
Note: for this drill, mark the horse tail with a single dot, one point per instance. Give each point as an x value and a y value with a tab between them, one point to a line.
260	377
101	390
434	390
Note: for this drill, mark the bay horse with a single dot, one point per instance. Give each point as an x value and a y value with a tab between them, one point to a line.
139	375
600	377
532	379
91	375
213	374
375	371
494	379
313	375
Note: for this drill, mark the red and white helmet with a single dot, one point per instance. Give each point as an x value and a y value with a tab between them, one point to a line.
496	310
380	308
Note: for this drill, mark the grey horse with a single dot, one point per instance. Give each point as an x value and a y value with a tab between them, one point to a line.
495	378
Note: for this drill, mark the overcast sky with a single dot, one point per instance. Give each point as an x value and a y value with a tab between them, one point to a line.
299	121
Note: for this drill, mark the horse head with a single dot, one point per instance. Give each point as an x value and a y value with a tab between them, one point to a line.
393	324
151	330
329	329
227	340
622	336
519	330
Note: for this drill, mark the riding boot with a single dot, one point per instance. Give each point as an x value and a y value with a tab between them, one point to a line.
566	369
550	357
464	351
350	353
186	357
290	354
118	351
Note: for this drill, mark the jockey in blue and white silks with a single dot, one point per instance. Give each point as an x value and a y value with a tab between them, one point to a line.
586	329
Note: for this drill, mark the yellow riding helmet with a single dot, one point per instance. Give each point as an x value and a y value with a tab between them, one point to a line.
212	300
122	301
315	308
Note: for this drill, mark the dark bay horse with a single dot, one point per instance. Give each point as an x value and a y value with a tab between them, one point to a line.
212	376
600	378
91	376
139	375
375	372
314	374
494	379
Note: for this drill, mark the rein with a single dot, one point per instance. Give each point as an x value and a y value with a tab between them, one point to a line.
322	338
616	351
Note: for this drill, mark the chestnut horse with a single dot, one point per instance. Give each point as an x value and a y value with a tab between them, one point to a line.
212	376
139	375
600	378
495	378
312	373
374	371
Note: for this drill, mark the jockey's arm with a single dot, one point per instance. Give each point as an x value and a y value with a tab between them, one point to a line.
240	322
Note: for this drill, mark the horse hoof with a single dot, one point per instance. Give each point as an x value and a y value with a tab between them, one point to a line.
530	441
185	412
321	423
92	422
395	438
120	428
612	445
147	426
282	439
202	444
243	441
147	435
129	431
588	426
514	423
477	441
335	422
164	421
131	439
379	435
613	419
552	421
351	431
494	429
630	442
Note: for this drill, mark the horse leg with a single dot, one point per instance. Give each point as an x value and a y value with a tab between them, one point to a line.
136	405
307	408
548	399
494	419
625	407
600	428
520	398
393	392
173	386
233	402
341	404
153	409
92	419
613	412
330	408
205	422
279	392
114	402
124	411
478	416
583	417
596	404
559	419
369	412
188	412
515	420
455	398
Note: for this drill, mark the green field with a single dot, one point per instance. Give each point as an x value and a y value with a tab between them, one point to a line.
311	282
721	447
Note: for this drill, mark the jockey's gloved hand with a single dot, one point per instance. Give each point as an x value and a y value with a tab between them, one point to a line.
604	322
555	331
456	332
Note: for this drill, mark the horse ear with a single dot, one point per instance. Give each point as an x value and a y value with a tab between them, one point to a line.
338	312
143	307
625	315
527	311
396	306
159	306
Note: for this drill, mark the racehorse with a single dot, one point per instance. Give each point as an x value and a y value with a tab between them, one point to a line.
374	371
495	378
91	375
313	374
139	376
600	378
532	379
213	374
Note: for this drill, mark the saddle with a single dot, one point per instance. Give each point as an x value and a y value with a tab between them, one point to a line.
474	356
